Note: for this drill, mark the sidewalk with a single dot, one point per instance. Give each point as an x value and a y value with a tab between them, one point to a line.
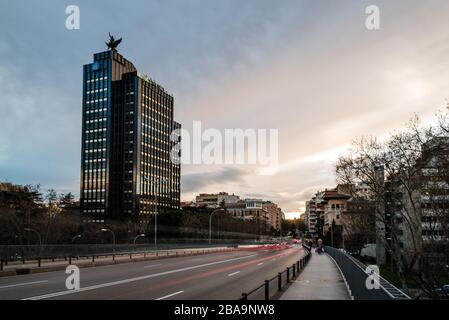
320	280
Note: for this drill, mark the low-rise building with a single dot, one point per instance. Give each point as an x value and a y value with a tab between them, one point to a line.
215	200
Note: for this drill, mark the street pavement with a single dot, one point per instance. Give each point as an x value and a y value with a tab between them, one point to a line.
204	277
320	280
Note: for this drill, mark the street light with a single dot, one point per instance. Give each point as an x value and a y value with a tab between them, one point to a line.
38	236
210	224
158	182
113	237
139	236
76	237
37	233
332	234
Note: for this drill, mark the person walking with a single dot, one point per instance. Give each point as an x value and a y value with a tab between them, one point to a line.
319	248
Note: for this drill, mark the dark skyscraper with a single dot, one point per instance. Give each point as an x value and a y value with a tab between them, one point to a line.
126	171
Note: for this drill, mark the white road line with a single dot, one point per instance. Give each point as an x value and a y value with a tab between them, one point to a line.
115	283
170	295
153	265
233	274
260	264
22	284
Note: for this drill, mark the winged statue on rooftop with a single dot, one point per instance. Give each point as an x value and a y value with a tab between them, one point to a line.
113	44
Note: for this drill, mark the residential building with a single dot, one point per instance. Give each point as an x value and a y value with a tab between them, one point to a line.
214	200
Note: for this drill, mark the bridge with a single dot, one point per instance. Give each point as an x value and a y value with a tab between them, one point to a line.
252	272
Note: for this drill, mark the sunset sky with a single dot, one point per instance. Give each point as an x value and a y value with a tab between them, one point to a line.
307	68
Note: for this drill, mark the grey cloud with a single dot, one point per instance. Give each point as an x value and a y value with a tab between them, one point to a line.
196	182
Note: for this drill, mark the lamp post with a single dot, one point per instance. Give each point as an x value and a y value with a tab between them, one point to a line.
76	237
38	236
210	224
138	236
156	182
332	234
37	233
113	237
79	236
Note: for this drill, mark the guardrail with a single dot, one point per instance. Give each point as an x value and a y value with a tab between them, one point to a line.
274	285
356	274
19	252
111	257
25	265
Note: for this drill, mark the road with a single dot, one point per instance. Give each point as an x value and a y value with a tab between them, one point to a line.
203	277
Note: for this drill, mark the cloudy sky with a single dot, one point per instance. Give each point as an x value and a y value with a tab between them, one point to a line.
307	68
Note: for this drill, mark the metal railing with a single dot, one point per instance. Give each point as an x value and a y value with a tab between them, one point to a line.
19	252
275	285
356	274
25	265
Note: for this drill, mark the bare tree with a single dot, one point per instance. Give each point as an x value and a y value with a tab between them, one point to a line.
394	172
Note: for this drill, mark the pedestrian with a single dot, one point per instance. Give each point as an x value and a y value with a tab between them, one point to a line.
319	246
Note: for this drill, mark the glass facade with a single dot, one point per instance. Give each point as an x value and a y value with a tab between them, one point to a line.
126	172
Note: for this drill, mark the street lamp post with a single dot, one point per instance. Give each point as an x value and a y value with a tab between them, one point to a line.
332	235
76	237
79	236
157	182
113	237
38	236
138	236
210	224
37	233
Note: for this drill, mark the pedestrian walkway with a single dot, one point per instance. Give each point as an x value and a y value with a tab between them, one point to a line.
320	280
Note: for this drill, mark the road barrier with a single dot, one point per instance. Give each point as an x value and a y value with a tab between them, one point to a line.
357	274
117	257
274	285
30	252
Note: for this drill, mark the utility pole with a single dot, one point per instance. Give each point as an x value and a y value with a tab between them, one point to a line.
332	234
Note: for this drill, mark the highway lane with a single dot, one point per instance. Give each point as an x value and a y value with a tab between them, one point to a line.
210	276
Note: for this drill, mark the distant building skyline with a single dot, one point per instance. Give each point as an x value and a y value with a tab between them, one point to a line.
308	68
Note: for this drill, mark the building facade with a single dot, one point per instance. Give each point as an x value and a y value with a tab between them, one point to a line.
126	168
274	214
214	200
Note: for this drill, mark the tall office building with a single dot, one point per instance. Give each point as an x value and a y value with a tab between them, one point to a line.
126	169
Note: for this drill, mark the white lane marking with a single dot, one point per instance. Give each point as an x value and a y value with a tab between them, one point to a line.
115	283
260	264
233	274
23	284
170	295
153	265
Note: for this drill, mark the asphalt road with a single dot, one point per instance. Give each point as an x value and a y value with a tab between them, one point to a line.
203	277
